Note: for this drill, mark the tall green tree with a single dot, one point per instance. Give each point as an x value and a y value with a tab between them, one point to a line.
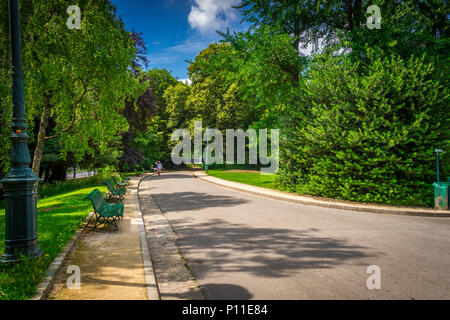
307	21
175	97
365	131
5	92
267	70
415	25
78	79
158	133
138	112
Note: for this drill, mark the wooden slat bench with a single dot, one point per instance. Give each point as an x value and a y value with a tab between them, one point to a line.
113	192
105	213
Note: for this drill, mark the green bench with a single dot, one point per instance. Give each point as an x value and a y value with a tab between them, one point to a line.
113	192
105	213
118	183
124	178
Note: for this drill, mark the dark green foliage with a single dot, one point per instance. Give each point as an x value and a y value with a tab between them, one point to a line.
5	90
137	112
59	187
366	132
360	126
146	140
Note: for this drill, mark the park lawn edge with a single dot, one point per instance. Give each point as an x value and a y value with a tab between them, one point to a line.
256	179
222	174
68	212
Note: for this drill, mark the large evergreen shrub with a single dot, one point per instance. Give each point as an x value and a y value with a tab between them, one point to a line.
366	131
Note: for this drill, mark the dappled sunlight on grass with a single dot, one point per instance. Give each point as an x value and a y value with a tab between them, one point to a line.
252	178
58	217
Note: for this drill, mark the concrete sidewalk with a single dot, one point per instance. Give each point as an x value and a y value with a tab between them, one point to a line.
174	278
327	203
112	263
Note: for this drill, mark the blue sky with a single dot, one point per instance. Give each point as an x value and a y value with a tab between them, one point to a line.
177	30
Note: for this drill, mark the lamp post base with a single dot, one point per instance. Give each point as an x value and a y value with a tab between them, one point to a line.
20	218
12	255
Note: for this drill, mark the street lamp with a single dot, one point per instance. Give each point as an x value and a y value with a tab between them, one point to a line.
437	162
20	201
207	152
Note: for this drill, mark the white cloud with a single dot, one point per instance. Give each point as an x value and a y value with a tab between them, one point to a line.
178	52
163	58
209	15
189	46
186	81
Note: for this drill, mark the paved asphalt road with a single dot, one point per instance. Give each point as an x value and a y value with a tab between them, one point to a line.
242	246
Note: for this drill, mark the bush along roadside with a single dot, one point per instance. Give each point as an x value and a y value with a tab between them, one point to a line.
366	132
49	189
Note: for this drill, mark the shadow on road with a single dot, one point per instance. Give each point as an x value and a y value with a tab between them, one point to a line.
170	175
220	291
237	250
264	252
187	201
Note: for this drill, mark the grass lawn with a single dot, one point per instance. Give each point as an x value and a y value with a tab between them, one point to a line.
58	218
252	178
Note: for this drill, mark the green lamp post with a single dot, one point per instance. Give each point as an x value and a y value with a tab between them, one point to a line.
20	201
437	163
207	153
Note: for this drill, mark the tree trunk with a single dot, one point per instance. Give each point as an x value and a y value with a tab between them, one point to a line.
47	174
350	14
59	173
41	140
41	172
357	14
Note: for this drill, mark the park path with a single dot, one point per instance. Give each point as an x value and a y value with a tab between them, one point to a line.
243	246
111	262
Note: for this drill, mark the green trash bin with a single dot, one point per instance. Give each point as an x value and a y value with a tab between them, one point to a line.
441	190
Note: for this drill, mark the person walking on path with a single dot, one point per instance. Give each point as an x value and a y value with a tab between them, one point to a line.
158	167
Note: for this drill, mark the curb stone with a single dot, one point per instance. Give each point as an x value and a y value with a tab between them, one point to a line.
49	278
149	270
333	204
175	281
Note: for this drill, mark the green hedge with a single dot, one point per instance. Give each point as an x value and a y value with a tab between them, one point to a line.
50	189
367	131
